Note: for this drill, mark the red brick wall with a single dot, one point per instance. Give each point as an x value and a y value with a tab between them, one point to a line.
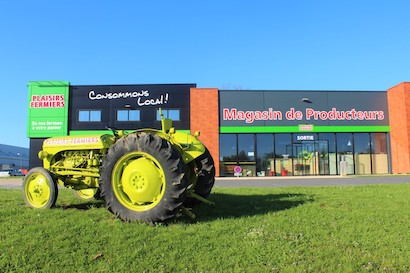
398	98
205	118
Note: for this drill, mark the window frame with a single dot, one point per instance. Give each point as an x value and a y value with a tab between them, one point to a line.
166	113
89	115
128	111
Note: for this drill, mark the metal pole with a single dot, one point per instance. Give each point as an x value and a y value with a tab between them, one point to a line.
19	154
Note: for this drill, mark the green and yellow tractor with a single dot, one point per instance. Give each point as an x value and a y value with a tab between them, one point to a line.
146	175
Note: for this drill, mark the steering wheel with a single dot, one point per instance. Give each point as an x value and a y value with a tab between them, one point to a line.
114	130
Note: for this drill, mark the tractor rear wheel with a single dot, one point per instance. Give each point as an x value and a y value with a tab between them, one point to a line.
143	179
39	189
205	178
206	174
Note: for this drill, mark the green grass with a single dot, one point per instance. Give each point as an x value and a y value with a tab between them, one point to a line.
295	229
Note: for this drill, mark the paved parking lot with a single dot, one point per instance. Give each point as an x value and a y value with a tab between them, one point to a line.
11	183
272	182
280	181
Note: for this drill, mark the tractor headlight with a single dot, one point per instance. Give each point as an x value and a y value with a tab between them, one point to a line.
42	154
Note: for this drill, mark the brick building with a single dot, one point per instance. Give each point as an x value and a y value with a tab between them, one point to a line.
248	132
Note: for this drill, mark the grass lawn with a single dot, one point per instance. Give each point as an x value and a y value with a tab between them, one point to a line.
295	229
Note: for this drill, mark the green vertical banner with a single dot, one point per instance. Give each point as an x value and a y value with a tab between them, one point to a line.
47	109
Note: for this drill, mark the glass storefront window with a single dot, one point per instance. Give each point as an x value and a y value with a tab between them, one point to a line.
246	147
264	151
304	154
379	153
246	154
228	154
331	155
344	145
283	153
362	153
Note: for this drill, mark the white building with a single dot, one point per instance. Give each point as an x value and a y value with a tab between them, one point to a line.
13	157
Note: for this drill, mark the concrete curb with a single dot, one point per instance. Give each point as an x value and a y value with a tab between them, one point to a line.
277	181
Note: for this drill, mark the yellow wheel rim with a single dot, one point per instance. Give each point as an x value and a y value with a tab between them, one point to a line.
86	193
38	191
138	181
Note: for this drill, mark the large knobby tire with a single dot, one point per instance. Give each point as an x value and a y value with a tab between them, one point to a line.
39	189
206	174
205	177
142	178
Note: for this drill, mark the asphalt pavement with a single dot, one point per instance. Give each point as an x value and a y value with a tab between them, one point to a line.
11	183
308	181
277	181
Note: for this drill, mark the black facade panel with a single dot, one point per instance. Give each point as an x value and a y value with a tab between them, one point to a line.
36	145
146	98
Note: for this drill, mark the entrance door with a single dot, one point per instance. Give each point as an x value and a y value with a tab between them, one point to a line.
322	149
310	158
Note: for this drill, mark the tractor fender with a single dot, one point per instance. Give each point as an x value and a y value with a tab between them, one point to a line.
189	146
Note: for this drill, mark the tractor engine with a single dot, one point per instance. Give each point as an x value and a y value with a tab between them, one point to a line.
77	169
80	159
75	161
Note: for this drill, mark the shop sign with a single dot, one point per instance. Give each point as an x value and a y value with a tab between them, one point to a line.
306	127
251	116
305	138
48	109
71	141
47	101
143	97
335	114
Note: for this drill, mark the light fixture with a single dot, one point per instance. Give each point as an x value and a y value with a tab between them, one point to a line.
127	106
306	100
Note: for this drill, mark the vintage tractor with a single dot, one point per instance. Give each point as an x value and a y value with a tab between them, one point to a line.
146	175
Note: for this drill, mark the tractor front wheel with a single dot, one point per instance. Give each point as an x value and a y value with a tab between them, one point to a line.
39	189
143	179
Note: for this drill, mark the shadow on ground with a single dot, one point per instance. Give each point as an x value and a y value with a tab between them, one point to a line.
226	205
84	205
235	206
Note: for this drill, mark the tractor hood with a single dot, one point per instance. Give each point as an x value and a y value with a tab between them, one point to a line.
89	142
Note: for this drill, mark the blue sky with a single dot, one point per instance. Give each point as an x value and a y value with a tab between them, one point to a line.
274	45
